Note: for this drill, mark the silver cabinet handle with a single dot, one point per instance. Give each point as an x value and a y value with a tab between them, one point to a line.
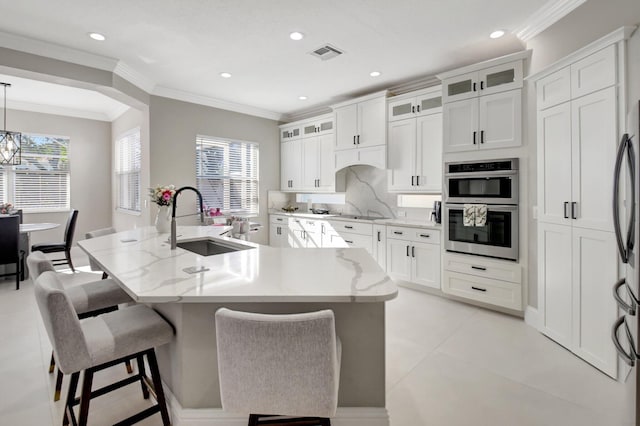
566	205
628	357
322	229
629	308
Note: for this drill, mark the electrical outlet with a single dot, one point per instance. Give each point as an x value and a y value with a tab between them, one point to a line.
534	212
402	213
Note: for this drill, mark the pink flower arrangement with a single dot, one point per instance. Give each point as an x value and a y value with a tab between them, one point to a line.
162	195
5	208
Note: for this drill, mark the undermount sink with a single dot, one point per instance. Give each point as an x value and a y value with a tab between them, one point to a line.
207	247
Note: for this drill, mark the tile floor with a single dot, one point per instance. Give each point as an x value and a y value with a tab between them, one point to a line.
447	364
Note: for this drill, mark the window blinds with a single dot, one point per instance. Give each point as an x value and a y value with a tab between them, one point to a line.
3	190
227	174
41	182
128	157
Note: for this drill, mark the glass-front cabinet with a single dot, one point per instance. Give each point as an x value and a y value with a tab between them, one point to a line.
318	127
495	79
424	102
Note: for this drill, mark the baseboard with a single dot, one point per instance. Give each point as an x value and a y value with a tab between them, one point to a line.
532	317
345	416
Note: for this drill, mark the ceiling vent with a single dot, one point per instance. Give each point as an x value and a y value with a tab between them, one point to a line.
326	52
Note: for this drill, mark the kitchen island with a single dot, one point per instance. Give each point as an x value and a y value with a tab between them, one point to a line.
256	279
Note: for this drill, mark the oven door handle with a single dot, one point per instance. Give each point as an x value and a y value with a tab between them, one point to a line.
482	175
490	207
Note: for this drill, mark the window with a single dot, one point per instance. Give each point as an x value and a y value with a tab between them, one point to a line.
41	182
227	174
128	171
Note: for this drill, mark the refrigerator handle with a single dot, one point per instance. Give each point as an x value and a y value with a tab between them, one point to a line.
628	357
629	308
616	209
631	159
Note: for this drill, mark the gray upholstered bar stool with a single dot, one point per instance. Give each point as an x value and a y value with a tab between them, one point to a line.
279	365
100	342
88	300
95	234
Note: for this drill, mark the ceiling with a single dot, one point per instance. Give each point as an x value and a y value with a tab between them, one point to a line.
179	48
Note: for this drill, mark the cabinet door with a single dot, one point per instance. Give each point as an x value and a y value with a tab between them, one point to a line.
327	172
425	267
290	165
401	109
372	122
554	89
461	87
399	259
325	126
346	126
594	72
274	235
594	142
554	281
379	251
500	123
310	163
554	164
430	103
500	78
429	153
290	133
461	125
296	238
401	158
594	309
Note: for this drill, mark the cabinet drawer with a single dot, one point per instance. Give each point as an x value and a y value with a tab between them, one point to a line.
594	72
352	227
279	220
429	236
357	240
500	293
482	267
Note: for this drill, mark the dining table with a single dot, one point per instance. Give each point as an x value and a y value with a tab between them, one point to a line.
25	245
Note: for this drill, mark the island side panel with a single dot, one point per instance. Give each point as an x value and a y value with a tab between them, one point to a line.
360	326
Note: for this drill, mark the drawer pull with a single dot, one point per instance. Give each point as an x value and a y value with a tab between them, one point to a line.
425	235
348	241
348	227
398	232
279	219
479	268
479	289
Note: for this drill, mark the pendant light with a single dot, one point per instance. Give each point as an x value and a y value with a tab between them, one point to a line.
10	142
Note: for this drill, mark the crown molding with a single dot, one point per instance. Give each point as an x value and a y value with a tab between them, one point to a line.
58	110
412	86
307	113
134	77
56	51
543	18
215	103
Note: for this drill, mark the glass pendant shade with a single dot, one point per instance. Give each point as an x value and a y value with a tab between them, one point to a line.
10	142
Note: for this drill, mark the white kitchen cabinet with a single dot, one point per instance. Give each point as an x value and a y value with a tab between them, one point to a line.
576	150
291	165
278	231
414	256
595	72
492	121
415	104
554	89
577	309
486	81
292	132
361	124
492	292
415	154
318	163
379	251
318	126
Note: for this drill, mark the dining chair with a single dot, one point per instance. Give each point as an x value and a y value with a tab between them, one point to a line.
97	343
10	252
279	365
88	299
95	234
64	246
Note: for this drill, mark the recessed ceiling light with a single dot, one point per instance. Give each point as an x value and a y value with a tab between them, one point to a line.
97	36
296	36
497	34
225	75
375	73
302	98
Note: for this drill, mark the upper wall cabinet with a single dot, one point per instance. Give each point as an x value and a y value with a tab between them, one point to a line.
424	102
361	131
482	105
290	133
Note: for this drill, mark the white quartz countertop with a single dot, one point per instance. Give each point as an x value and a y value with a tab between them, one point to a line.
143	263
413	223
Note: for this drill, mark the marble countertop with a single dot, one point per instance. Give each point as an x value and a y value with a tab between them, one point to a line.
413	223
142	261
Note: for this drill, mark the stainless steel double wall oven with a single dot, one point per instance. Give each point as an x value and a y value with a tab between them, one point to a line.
493	183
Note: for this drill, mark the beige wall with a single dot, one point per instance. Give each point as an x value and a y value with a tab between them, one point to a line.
589	22
173	129
90	163
130	120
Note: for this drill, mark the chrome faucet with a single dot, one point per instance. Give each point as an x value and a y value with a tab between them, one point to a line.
174	238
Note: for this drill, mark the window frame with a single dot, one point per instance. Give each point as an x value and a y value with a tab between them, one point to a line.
227	178
10	172
118	173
